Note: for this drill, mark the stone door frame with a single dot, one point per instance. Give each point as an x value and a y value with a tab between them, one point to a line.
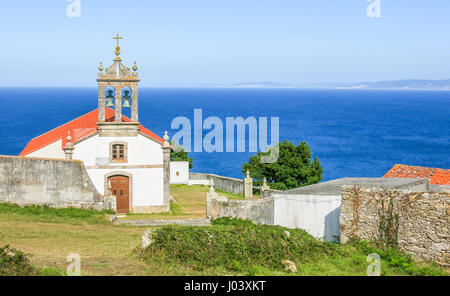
130	190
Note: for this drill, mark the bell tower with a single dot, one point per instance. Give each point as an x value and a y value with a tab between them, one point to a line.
117	89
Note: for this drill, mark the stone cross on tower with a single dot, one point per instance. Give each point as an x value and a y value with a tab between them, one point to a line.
119	85
117	38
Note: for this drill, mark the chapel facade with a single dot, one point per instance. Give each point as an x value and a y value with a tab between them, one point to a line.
123	158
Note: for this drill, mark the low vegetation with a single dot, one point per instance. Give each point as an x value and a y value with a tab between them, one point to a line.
48	214
242	248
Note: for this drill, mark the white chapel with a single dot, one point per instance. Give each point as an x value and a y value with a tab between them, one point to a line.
122	157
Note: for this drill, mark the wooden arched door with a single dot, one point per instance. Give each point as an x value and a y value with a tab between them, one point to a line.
120	187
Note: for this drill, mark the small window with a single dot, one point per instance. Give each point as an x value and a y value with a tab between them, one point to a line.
118	152
178	174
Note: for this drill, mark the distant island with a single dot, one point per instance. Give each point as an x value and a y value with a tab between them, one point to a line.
410	84
407	84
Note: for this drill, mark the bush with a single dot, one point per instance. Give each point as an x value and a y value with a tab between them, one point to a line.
243	248
15	263
295	167
232	222
233	247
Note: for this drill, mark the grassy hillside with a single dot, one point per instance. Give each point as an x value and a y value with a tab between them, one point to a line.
46	236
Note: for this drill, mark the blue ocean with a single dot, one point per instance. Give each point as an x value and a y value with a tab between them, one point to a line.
354	133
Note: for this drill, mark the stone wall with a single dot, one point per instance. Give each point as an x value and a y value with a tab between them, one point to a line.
424	220
266	193
259	211
57	183
226	184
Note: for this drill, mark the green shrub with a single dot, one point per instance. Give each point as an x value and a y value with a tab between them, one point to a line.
15	263
243	248
232	222
233	247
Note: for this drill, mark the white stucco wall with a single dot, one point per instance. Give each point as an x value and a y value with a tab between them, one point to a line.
182	168
144	163
141	150
53	150
316	214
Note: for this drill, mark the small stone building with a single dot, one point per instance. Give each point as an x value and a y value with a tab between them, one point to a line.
179	172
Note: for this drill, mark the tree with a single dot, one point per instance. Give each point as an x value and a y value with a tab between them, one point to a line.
178	154
293	169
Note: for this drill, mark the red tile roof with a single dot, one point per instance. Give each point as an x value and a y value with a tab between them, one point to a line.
79	129
435	175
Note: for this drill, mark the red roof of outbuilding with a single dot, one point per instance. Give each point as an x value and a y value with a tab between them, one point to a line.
435	175
79	128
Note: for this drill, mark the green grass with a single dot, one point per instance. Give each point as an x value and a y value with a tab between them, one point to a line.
229	195
242	248
229	247
52	215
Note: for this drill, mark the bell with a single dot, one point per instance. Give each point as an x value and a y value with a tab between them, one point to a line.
110	97
127	98
126	103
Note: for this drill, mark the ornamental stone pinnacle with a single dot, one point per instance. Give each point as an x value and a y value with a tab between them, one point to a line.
248	186
68	150
69	141
166	139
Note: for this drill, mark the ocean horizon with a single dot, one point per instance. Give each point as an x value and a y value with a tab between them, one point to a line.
354	133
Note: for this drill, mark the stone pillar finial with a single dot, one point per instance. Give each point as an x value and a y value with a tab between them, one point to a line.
248	186
69	138
70	147
265	187
211	185
135	68
166	139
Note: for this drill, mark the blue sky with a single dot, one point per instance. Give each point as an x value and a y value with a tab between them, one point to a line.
180	42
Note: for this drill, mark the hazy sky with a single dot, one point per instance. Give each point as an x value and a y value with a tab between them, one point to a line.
178	42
